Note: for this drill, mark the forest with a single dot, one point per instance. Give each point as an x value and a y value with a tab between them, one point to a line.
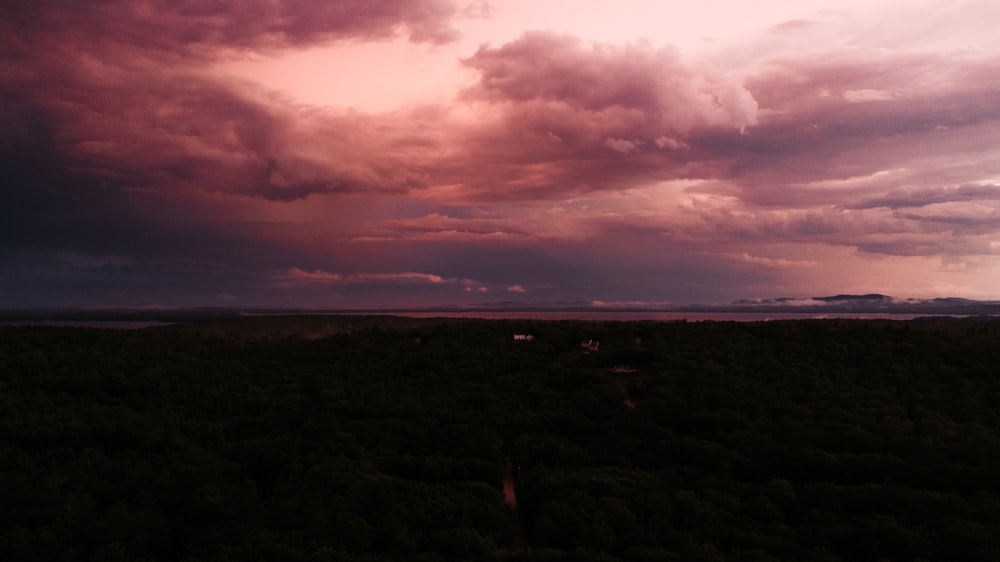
383	438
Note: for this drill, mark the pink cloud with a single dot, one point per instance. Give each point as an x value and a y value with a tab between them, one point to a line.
594	118
628	304
898	198
315	276
666	93
562	152
472	226
623	145
319	276
779	263
563	117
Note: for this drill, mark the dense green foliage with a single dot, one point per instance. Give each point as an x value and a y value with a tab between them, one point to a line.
386	439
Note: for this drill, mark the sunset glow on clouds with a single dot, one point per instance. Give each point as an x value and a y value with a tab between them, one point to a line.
403	153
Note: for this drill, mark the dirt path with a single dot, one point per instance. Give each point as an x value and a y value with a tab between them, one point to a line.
622	383
509	491
510	497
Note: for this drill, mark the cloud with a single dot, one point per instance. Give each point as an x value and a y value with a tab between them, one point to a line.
123	91
810	104
866	94
119	141
777	263
622	145
628	304
848	137
897	199
558	116
469	227
617	84
964	217
666	142
792	26
194	29
297	275
178	130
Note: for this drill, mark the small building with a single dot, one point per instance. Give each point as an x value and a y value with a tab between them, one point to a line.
590	345
523	337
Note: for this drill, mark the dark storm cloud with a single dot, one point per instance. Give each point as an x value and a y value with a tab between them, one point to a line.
121	88
175	128
923	197
196	27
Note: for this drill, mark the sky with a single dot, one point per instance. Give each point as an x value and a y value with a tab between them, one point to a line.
397	153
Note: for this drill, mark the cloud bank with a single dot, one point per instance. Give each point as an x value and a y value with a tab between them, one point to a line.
819	156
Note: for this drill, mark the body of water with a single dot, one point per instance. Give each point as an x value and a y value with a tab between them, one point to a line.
621	316
659	316
105	324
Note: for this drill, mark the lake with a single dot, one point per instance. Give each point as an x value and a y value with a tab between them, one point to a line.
104	324
650	315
